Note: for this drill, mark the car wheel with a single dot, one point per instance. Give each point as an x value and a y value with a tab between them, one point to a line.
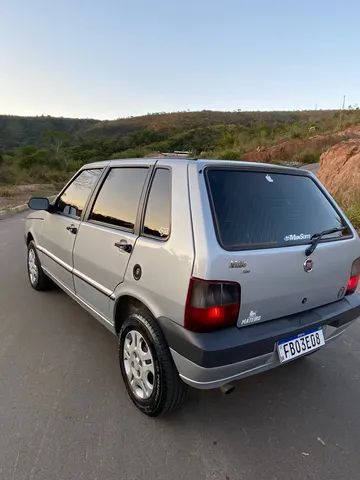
147	367
37	277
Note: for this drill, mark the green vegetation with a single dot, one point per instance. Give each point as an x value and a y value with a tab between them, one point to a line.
351	207
48	150
308	156
353	212
20	131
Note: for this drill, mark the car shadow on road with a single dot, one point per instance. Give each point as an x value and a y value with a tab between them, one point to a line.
305	396
291	405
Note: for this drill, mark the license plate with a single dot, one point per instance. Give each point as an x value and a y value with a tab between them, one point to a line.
306	342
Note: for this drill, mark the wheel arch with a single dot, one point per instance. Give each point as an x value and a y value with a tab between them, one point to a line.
29	238
124	305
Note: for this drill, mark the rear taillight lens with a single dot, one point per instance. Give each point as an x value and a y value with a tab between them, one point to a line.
211	305
354	277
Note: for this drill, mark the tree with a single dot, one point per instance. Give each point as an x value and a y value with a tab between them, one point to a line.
56	139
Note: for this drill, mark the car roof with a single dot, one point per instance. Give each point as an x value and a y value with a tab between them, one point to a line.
201	163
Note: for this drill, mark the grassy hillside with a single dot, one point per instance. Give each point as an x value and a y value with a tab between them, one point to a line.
20	131
47	149
177	122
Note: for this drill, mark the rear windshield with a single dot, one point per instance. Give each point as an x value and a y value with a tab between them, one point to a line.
266	210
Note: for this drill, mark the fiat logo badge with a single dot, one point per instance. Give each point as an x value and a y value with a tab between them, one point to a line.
308	265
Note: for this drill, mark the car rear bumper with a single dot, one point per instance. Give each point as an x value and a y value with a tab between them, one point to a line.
209	360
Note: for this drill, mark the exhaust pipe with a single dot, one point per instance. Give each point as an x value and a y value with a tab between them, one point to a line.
227	388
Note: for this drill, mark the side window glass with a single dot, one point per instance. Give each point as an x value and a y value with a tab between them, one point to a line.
118	200
158	210
73	199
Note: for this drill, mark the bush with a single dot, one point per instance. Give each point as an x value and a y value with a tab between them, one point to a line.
130	153
295	132
353	212
230	155
7	175
308	156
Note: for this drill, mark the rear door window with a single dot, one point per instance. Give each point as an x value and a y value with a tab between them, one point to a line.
158	208
263	210
118	199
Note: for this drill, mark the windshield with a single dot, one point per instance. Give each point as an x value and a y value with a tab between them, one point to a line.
264	210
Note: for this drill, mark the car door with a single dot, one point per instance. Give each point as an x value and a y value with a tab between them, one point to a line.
60	226
107	235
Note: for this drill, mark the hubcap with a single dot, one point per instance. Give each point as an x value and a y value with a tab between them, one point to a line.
139	364
33	269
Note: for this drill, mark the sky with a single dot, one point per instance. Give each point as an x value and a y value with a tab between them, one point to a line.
108	59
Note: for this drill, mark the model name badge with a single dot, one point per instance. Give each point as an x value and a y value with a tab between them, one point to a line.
238	264
252	318
295	236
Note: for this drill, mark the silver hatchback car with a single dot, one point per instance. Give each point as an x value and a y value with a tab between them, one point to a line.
207	271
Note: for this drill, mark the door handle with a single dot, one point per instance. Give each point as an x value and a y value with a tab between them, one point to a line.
124	246
72	229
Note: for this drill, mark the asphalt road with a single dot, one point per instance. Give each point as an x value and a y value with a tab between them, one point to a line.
64	412
312	167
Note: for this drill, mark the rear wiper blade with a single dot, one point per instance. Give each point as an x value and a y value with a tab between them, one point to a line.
315	239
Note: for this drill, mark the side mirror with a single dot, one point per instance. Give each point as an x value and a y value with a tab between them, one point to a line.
39	203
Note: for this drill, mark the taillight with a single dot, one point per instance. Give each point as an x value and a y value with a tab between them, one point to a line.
211	305
354	277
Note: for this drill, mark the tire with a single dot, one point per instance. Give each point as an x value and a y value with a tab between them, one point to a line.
157	389
37	277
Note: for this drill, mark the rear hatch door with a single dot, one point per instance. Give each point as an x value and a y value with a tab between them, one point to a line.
264	220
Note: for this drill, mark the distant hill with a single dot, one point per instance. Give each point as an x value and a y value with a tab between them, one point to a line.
45	149
19	131
48	150
182	121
